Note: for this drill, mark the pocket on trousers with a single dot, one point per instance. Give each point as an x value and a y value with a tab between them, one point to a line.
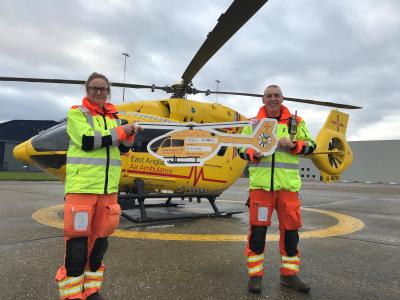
294	216
109	220
259	214
77	220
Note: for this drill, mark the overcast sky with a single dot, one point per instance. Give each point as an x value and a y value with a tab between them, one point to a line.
345	51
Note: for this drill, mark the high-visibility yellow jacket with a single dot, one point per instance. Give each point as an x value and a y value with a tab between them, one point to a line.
93	157
279	171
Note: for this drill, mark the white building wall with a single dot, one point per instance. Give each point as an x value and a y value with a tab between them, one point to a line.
374	161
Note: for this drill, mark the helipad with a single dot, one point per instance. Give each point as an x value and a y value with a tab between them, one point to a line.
350	247
345	224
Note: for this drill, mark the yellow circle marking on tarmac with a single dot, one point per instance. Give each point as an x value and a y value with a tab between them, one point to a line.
345	225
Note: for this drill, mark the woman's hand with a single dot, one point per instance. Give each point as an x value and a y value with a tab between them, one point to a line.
131	129
136	128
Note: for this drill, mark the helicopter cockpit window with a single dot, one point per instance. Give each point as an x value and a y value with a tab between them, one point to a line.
178	143
53	139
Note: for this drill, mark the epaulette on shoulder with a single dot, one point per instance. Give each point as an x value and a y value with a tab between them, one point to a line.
83	109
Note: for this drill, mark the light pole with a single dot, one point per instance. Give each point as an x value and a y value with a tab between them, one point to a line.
216	95
123	89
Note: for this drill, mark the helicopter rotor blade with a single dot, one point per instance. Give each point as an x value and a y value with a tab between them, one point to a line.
228	24
80	82
44	80
307	101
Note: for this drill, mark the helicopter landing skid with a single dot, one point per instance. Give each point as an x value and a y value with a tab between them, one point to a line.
128	202
174	160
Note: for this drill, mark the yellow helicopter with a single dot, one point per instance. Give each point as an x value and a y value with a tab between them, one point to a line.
145	176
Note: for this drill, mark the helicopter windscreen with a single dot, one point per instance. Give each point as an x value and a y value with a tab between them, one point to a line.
53	139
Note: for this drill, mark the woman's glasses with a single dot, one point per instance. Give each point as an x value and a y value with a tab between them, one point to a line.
95	89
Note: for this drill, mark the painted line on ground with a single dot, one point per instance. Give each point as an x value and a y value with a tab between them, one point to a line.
345	225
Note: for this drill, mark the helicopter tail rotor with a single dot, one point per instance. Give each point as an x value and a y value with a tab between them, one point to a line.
333	154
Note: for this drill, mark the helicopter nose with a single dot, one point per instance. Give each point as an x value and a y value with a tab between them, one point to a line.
20	152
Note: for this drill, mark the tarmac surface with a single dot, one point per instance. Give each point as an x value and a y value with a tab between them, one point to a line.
350	247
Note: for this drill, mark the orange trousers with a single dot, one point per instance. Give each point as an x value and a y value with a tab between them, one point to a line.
261	206
99	218
88	220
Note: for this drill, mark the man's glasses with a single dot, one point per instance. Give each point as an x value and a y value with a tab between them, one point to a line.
95	89
276	95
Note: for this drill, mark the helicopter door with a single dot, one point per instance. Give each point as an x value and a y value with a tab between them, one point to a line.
164	147
166	143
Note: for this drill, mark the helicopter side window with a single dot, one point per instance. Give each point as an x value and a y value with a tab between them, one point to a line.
178	143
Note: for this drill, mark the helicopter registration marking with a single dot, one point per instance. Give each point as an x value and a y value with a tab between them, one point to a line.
198	148
202	140
346	224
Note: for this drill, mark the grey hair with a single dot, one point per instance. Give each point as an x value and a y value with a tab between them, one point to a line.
273	86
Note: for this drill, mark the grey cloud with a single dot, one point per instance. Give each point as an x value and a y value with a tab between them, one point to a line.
345	51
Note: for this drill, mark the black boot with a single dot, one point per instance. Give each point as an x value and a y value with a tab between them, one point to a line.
255	284
95	296
295	283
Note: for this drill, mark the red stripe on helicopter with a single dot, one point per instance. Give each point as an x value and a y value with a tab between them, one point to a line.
193	171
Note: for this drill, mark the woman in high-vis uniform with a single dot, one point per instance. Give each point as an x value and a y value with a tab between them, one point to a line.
93	169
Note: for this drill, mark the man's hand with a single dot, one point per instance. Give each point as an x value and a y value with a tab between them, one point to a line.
286	144
257	154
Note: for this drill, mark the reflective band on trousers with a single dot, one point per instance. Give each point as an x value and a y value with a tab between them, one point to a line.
268	164
70	281
92	284
94	275
93	161
292	267
255	258
290	258
255	269
70	291
70	286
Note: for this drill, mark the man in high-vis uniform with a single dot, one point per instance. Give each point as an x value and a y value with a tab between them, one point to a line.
274	185
93	170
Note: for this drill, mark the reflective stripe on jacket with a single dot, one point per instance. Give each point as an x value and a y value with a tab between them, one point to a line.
93	158
279	171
